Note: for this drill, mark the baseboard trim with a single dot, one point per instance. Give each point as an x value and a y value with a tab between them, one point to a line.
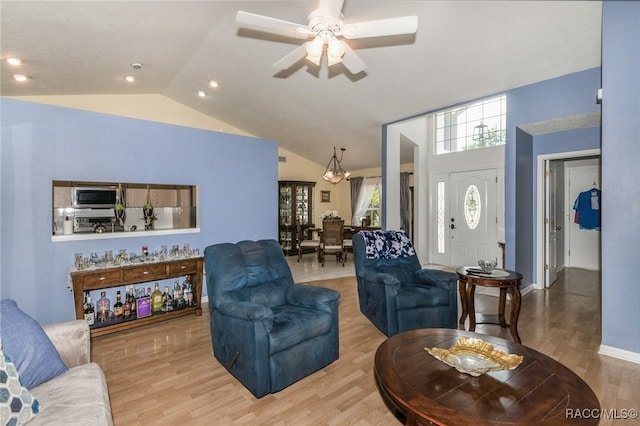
619	353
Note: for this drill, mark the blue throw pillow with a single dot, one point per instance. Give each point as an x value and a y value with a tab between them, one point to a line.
28	346
17	405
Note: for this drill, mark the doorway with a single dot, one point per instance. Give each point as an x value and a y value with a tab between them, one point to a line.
560	242
583	245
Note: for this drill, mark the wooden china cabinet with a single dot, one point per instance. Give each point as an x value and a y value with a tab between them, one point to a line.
295	203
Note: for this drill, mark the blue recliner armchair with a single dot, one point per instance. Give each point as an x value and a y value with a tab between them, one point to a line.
394	292
266	330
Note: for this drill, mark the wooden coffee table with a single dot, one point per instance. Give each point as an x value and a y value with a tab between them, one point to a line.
424	390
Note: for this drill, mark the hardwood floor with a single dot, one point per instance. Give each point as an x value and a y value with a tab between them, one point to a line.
165	374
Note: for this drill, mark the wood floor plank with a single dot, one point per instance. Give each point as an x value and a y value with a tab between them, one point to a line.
165	373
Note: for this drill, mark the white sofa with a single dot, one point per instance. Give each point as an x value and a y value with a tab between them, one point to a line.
80	396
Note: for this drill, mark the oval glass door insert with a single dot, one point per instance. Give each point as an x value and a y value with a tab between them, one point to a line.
472	207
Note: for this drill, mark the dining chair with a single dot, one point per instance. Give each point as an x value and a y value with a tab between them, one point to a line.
305	245
332	237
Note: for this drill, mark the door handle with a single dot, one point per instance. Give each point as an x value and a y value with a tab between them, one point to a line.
453	226
558	228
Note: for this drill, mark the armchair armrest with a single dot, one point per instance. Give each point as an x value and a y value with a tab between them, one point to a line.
381	278
312	297
246	311
72	340
436	278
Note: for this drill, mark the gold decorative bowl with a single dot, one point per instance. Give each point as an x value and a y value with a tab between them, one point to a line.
475	357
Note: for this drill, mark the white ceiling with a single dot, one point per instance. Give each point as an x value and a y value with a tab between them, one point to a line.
462	50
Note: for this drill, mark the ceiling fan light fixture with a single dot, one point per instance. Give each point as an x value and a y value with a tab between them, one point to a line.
325	26
335	48
335	51
315	49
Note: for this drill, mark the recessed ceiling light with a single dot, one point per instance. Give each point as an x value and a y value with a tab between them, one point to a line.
136	65
201	93
214	84
14	61
20	77
130	78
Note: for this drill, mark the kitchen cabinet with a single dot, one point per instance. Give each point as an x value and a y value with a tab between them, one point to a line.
295	204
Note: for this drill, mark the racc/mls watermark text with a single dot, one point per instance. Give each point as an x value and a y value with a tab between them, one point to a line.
602	413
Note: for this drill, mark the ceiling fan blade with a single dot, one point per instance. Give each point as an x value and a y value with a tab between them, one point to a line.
381	27
271	25
293	57
332	8
352	61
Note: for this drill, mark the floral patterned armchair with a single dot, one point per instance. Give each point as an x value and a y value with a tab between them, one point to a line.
394	292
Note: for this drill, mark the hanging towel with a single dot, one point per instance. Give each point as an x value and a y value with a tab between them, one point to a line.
587	207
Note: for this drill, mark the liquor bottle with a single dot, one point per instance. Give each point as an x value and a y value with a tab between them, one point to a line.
131	299
89	311
104	306
187	291
177	295
156	299
127	309
117	307
167	301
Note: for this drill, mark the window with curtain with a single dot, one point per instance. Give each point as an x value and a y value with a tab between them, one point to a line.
368	202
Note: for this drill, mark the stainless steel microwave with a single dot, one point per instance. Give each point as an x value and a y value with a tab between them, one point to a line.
95	198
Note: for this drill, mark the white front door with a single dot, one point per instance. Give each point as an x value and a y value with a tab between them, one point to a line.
473	217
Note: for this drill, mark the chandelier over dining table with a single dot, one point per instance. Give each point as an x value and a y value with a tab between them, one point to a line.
334	172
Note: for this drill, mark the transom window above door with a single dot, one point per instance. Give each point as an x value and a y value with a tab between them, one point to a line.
475	125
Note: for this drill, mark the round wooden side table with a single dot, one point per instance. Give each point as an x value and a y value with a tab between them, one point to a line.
470	277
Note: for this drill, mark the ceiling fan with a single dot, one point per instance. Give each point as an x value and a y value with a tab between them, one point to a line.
325	30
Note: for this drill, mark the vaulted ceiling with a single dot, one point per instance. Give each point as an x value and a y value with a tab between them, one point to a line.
462	50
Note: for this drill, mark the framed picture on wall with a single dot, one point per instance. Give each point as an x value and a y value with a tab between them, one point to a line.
325	196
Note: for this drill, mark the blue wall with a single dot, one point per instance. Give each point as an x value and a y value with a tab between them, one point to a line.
621	175
237	178
565	96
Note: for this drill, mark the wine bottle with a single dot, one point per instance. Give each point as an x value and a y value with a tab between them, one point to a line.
89	311
156	299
